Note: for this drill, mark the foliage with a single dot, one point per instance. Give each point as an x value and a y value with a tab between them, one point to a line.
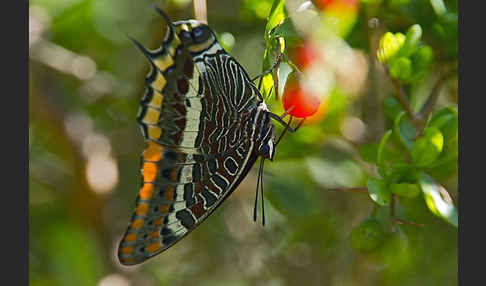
364	193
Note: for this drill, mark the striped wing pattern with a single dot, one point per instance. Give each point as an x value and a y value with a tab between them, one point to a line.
194	117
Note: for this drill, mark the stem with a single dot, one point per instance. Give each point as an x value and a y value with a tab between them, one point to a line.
200	11
403	98
431	100
396	220
429	104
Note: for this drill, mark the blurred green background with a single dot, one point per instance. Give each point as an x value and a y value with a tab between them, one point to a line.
86	79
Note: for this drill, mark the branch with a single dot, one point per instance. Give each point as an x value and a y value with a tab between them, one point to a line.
403	98
432	99
396	220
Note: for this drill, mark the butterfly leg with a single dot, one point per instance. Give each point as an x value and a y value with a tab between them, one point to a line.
274	68
271	69
281	121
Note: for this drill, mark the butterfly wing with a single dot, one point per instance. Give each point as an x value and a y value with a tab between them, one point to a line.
197	146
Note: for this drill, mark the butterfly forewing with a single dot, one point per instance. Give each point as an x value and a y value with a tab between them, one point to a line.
198	147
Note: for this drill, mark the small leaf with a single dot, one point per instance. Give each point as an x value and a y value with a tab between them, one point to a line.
439	204
401	68
285	29
405	190
414	34
428	147
403	173
391	107
404	130
422	58
381	154
446	120
267	80
379	191
277	15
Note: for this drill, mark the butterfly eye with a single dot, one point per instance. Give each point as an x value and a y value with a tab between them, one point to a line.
201	34
185	37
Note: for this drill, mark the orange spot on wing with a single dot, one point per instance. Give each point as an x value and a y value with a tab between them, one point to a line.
154	247
147	191
149	171
164	208
130	237
173	174
128	259
142	209
169	193
127	250
154	234
158	222
138	223
153	152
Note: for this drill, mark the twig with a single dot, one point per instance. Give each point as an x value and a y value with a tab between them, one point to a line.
434	94
402	98
431	100
401	221
396	220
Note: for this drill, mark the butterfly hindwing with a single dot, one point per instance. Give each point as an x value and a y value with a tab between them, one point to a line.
197	148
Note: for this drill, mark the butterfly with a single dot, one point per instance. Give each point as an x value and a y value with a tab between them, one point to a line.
205	125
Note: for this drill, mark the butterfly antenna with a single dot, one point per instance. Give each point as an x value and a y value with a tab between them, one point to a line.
256	197
161	13
261	186
144	50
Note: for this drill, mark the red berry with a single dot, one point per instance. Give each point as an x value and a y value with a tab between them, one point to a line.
324	4
298	102
304	54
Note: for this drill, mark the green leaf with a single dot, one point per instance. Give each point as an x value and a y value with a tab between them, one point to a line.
401	68
446	120
405	190
414	34
379	191
267	80
422	58
381	154
277	15
403	173
404	130
438	200
428	147
391	107
450	152
285	29
368	236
